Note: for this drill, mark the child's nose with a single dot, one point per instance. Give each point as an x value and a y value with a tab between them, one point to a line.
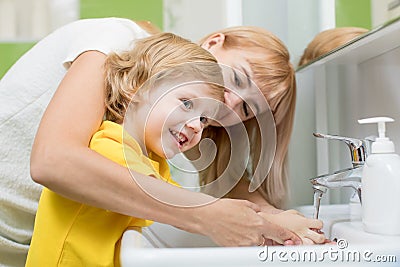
232	99
195	124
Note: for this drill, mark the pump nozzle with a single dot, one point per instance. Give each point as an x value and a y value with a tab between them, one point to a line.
382	144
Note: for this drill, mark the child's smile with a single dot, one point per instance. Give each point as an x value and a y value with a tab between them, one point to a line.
180	138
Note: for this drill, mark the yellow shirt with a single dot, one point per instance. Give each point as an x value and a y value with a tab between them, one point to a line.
69	233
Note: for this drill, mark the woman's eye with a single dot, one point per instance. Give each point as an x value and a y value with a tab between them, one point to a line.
238	82
187	103
203	120
245	109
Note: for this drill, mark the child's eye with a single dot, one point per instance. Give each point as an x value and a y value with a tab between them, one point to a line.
187	103
203	120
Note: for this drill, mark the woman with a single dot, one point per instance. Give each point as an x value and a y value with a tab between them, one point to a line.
268	61
271	91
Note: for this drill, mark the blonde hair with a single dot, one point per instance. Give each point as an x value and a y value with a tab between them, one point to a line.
275	76
327	41
154	56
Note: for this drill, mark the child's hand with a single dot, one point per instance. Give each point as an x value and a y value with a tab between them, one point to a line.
304	227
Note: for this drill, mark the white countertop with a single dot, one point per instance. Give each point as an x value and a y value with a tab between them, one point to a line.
164	245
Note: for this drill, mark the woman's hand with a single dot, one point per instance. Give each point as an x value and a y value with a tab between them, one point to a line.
231	222
307	229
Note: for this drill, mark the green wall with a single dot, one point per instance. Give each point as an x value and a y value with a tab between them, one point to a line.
10	52
356	13
151	10
133	9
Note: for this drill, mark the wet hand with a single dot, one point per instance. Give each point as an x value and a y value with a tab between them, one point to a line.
302	226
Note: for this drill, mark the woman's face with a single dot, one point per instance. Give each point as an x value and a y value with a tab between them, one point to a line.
241	95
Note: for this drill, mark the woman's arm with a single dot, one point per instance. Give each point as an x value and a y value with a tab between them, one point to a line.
62	161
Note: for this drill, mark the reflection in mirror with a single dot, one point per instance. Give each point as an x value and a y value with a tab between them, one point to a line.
328	40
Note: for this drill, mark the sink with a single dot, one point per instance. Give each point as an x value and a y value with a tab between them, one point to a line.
353	232
164	245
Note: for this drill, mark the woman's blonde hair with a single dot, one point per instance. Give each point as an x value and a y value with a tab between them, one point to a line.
275	76
154	56
328	40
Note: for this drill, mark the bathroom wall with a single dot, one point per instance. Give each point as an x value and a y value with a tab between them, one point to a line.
384	10
294	22
24	22
194	19
358	81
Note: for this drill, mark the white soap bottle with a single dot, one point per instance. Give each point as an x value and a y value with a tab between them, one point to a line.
381	184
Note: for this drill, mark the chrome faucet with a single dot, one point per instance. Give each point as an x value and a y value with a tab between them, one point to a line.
349	177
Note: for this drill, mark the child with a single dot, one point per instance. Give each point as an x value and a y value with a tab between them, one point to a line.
159	123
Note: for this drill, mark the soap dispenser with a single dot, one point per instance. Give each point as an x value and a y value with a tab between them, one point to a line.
381	184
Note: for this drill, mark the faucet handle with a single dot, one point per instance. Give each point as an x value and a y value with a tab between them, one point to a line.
368	142
358	149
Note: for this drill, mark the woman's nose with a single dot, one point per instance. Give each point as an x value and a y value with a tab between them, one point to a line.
232	100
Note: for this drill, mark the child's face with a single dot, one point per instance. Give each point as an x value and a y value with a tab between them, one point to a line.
176	119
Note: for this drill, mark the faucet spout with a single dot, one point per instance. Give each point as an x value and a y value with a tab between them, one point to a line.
350	177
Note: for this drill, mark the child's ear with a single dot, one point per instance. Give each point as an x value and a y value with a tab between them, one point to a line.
217	39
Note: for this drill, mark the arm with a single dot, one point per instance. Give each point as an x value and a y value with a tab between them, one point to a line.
62	161
240	191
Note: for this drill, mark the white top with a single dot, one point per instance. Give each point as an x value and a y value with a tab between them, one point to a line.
25	92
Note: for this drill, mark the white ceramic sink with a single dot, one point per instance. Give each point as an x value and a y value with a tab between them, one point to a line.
353	232
163	245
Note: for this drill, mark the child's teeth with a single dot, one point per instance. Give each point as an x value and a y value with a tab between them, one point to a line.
180	137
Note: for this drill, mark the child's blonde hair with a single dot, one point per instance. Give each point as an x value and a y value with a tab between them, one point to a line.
275	77
155	55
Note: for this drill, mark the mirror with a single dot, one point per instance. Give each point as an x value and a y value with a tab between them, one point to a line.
330	41
297	23
374	14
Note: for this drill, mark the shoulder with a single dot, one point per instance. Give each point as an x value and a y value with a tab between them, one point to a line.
105	35
107	26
